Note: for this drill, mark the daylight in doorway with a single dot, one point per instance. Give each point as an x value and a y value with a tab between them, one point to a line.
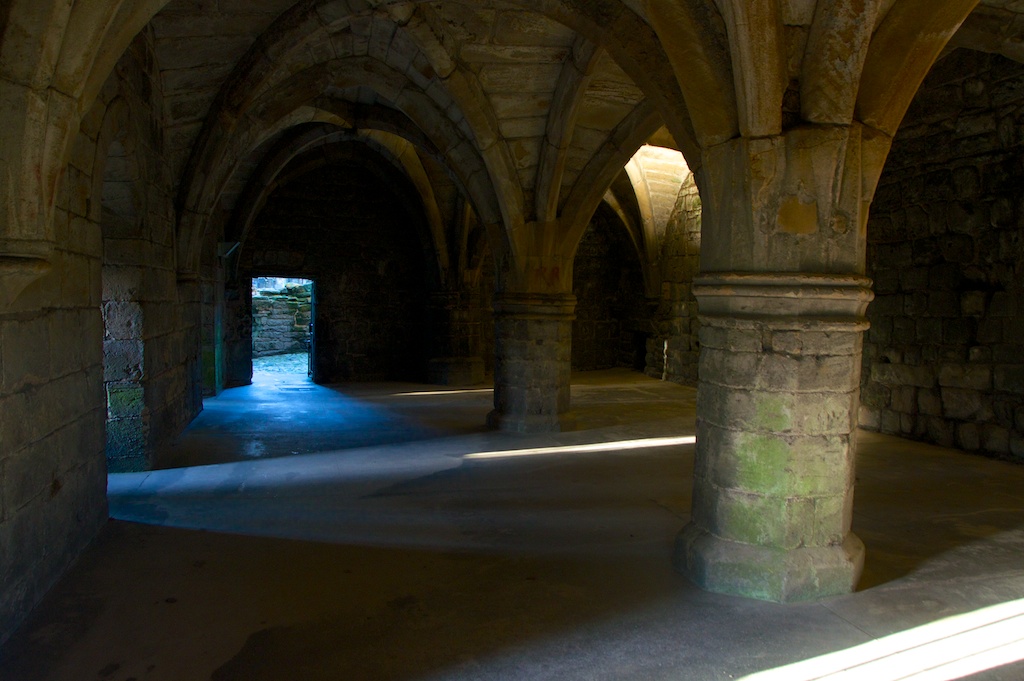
282	324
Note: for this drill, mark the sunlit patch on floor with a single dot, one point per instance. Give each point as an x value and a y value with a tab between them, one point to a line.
950	648
624	445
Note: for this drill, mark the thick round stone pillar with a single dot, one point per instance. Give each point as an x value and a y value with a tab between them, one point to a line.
533	353
776	424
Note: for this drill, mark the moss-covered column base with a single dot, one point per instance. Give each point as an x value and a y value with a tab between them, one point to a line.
533	352
776	424
766	573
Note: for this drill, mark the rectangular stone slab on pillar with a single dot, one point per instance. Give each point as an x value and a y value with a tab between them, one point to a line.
533	354
776	423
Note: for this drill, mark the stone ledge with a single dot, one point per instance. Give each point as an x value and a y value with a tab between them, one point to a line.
769	295
558	307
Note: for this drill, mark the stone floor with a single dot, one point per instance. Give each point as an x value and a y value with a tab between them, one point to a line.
378	532
290	363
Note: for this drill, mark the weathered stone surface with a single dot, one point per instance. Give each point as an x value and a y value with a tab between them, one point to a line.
957	297
612	317
1009	378
902	374
673	353
779	465
767	573
975	376
773	475
533	349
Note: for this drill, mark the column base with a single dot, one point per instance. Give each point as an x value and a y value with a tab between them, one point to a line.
455	370
765	573
539	423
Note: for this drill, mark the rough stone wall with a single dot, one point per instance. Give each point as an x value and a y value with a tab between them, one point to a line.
484	294
280	321
237	333
611	311
357	237
53	378
150	355
944	359
672	354
212	327
52	471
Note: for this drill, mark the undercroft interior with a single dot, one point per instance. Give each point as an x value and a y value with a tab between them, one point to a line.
631	339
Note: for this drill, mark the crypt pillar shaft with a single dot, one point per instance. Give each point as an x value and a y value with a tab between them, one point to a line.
782	301
533	355
776	427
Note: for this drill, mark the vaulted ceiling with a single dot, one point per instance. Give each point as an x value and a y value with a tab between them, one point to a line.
532	107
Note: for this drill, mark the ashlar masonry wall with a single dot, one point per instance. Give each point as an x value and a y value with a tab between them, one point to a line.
944	359
673	352
612	320
53	400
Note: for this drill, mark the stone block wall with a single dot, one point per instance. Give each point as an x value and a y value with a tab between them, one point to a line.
673	352
485	297
150	355
52	471
111	288
944	359
611	310
211	292
280	320
358	237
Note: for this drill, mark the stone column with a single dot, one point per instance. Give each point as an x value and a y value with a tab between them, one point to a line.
457	338
781	300
533	348
776	419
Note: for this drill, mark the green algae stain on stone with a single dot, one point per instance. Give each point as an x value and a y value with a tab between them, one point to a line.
773	414
763	463
125	400
752	519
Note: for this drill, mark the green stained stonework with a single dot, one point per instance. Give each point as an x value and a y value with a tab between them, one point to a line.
781	522
768	573
125	400
761	463
773	414
821	467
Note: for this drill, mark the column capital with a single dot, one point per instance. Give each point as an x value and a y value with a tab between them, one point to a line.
17	273
542	306
780	296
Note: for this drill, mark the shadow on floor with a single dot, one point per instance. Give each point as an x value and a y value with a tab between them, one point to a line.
409	561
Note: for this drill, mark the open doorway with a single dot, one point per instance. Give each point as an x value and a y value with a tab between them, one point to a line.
282	327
